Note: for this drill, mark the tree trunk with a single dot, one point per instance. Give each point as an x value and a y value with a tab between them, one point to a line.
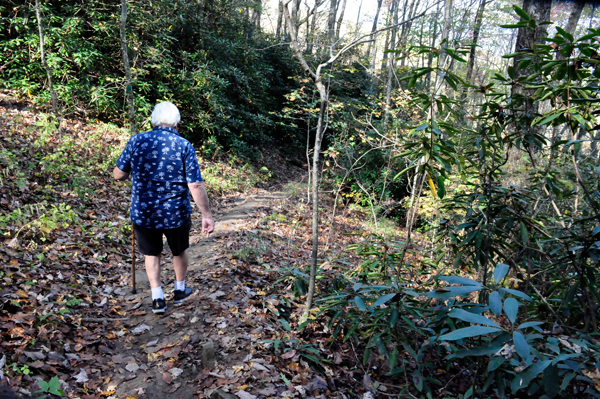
472	53
445	32
358	15
40	22
324	100
129	89
331	20
373	29
433	37
406	28
574	16
384	59
295	18
391	63
340	20
256	14
279	20
526	40
313	23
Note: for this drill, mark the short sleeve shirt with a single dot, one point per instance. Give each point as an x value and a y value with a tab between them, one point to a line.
161	164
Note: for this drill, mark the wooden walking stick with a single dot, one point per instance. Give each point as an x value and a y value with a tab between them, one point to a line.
133	257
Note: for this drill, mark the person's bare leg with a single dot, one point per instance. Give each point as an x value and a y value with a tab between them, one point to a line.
153	270
180	265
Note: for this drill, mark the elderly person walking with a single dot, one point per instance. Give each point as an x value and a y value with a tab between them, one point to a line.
164	170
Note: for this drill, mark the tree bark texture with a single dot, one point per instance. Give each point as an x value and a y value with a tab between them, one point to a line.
445	32
373	29
128	88
574	16
340	20
473	51
526	41
406	28
528	38
391	63
40	22
331	20
388	21
279	20
433	37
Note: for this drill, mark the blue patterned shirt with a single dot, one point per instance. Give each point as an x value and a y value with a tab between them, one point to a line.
161	163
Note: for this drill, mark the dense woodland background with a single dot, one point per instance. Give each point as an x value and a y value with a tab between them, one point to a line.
463	132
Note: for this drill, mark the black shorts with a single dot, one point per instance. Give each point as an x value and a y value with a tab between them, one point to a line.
150	241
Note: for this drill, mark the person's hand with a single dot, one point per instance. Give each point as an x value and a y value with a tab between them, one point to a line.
208	225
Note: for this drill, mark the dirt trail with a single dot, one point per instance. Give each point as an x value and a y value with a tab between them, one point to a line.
162	356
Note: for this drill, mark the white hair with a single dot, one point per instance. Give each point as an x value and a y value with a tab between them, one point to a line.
165	114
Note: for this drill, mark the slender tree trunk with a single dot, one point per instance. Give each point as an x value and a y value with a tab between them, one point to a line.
313	23
279	20
445	32
406	29
324	99
40	22
373	29
331	20
256	14
421	61
391	62
472	53
129	89
358	15
527	39
340	20
574	16
384	59
433	37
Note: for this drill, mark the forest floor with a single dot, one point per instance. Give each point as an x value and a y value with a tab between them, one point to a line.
68	318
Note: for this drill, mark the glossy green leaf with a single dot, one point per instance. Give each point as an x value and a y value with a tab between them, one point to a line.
516	293
521	345
460	280
565	33
521	13
468	332
449	292
500	272
285	325
495	362
530	324
548	118
464	315
495	302
383	299
511	308
360	303
523	379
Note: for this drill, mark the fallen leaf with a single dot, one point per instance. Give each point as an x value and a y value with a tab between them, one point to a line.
132	367
289	354
141	328
244	395
175	372
81	377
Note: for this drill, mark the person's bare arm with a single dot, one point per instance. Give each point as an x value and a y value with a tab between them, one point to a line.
118	174
201	199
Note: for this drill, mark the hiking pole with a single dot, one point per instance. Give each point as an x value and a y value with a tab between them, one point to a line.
133	258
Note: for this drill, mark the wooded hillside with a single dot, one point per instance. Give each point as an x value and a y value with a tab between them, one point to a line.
450	205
